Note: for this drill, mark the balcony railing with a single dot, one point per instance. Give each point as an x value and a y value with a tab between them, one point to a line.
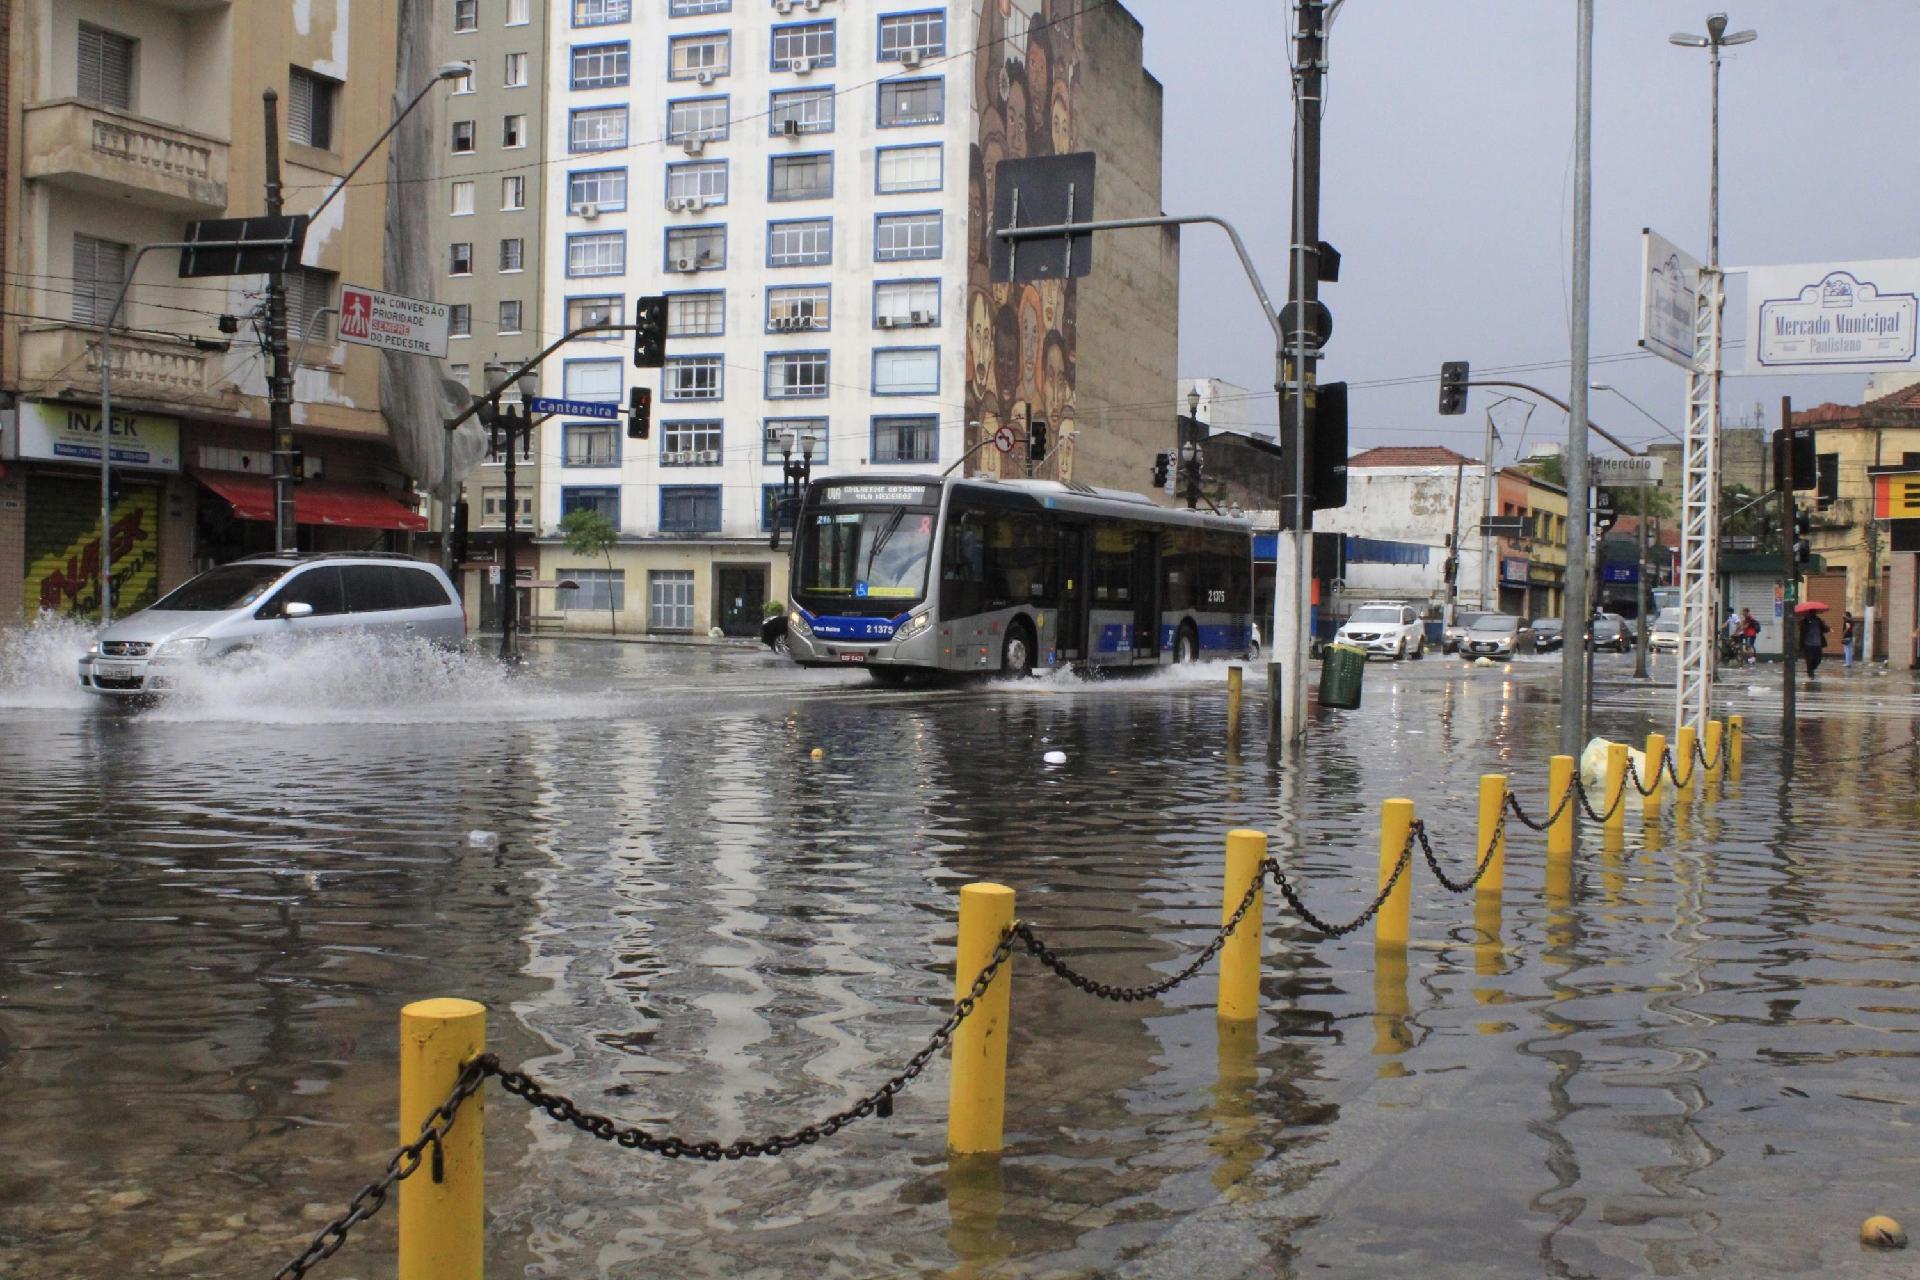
92	149
65	360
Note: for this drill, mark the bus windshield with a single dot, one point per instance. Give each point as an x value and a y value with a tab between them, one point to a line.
867	555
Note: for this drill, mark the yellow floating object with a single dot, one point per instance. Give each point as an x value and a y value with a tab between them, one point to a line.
817	754
1882	1232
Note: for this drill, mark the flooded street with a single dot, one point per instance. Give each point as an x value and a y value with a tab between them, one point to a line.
1698	1061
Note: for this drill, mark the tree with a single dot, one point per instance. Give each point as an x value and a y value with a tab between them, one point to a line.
588	533
1743	512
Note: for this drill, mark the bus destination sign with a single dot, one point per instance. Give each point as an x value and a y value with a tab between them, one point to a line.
890	494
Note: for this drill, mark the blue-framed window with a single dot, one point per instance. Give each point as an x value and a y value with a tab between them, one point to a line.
603	498
903	237
693	378
802	242
696	184
596	253
697	313
604	189
691	443
689	508
807	111
592	379
797	375
702	56
601	13
906	438
701	248
774	430
912	37
592	309
590	444
596	129
601	66
921	100
705	118
771	496
799	308
906	371
811	45
918	166
693	8
804	175
906	304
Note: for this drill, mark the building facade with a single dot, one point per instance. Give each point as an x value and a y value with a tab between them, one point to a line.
125	121
488	229
1405	506
810	183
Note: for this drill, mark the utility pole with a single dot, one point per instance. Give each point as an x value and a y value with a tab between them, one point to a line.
1790	587
1573	668
1640	590
1453	546
1489	594
280	376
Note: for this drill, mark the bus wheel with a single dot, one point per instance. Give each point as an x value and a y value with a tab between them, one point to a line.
891	676
1017	657
1186	646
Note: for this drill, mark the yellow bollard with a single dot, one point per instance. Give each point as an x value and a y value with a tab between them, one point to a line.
1559	793
1391	925
1493	802
1240	955
442	1221
1233	699
1655	779
1715	732
977	1093
1736	731
1684	765
1616	805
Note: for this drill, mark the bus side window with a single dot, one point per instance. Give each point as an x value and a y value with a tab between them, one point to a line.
963	567
1018	566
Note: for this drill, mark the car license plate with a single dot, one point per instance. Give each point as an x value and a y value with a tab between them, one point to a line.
114	671
853	657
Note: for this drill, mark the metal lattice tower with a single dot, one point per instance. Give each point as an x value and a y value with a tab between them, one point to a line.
1700	515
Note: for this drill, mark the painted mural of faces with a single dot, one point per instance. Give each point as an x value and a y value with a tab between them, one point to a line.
1039	94
980	345
1017	138
1052	301
1028	311
1061	121
1006	354
1056	379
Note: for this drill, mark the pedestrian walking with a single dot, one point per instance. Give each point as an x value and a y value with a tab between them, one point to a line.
1749	635
1813	641
1847	639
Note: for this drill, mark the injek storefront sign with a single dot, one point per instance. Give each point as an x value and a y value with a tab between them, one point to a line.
1855	317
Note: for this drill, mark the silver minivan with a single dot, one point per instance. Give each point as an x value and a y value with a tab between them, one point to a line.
262	601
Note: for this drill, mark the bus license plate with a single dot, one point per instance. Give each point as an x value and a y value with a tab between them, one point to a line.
853	657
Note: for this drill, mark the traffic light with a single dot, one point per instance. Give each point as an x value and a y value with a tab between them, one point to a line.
1162	468
650	332
1327	449
297	466
1037	440
639	413
1605	514
462	516
1453	387
1793	464
1802	536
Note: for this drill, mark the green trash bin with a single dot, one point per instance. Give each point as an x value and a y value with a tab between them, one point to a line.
1342	668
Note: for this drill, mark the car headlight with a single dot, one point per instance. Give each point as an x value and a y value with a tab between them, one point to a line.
184	648
913	626
94	648
798	624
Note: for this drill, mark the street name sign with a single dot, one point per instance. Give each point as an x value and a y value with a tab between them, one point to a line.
1839	317
1503	527
601	409
1669	290
288	234
1626	473
392	322
1043	191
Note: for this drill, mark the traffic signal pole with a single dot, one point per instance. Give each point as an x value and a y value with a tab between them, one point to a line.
1789	589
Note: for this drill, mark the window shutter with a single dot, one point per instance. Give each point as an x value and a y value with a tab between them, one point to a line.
99	269
105	71
299	107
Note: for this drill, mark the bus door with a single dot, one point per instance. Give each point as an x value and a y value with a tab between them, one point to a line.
1072	638
1146	594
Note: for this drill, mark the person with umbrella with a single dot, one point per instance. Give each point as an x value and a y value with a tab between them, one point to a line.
1813	634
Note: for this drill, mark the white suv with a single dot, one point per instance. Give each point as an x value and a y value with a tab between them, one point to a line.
1385	628
265	600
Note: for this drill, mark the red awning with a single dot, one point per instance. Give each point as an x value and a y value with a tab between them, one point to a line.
314	502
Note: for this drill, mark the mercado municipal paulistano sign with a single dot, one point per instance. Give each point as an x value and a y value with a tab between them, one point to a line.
1848	317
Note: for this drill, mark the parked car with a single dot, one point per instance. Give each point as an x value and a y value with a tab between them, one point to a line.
1497	635
1610	631
1451	637
239	608
1385	629
1664	635
1547	635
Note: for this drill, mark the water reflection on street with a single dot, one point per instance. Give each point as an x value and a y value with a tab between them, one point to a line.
1691	1057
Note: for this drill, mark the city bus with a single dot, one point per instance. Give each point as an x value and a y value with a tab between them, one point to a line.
909	573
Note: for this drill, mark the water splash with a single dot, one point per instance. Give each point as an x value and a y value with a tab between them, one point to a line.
37	662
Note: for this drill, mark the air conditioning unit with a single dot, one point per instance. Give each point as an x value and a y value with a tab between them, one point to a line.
921	318
704	75
684	264
675	203
791	128
783	6
803	322
883	322
910	58
813	6
696	203
783	324
801	66
588	210
709	455
696	144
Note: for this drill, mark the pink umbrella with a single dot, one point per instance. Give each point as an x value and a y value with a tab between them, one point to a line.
1812	606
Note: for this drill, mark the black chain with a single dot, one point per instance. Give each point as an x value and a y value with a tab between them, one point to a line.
1479	872
403	1165
1633	775
879	1102
1593	813
1046	955
1513	803
1306	913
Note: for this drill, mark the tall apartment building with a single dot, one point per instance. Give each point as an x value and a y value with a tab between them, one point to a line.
124	121
809	182
488	229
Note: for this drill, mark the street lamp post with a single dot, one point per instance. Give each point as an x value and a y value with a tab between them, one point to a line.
1640	625
794	476
512	429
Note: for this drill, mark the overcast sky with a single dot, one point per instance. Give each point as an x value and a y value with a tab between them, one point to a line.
1447	185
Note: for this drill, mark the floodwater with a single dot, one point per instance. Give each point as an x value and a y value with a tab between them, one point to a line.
1695	1058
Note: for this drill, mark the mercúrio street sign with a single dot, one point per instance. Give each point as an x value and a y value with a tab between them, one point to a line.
1626	473
392	321
573	408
